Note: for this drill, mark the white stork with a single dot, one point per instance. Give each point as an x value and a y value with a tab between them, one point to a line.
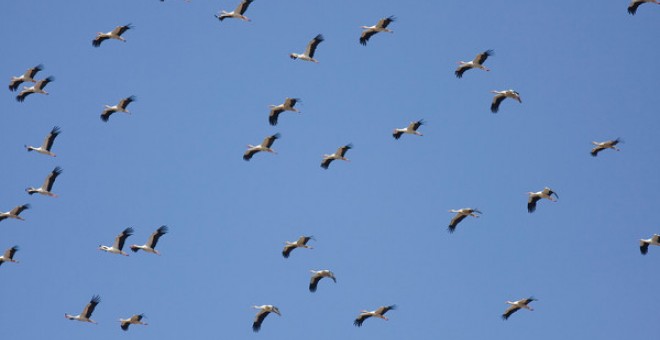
237	13
536	196
500	96
8	256
264	146
28	76
516	305
632	8
309	52
381	26
317	275
644	244
87	312
47	144
46	188
14	213
275	110
600	146
410	129
133	320
36	88
119	243
460	215
339	154
264	310
120	107
379	313
114	34
151	242
300	243
477	62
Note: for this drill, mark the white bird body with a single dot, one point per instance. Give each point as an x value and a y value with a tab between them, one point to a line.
410	129
28	77
275	110
378	313
477	62
87	312
264	146
46	188
118	246
133	320
339	154
8	256
317	275
114	34
309	52
300	243
264	310
534	197
36	88
120	107
644	244
45	147
500	96
632	8
150	246
237	13
600	146
460	215
517	305
14	213
381	26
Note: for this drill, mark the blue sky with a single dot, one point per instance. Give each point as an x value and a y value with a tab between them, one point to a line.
203	88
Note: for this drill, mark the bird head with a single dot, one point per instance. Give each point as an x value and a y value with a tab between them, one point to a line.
293	56
30	190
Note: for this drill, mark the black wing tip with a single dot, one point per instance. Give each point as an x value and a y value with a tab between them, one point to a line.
272	121
349	146
312	288
277	136
163	229
50	78
397	135
505	317
489	53
319	37
96	299
531	208
391	18
128	231
325	166
256	327
363	41
451	229
392	307
135	249
131	98
594	153
26	206
358	322
57	170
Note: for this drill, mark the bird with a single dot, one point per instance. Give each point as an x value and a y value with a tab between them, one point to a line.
309	52
275	110
477	62
119	242
47	144
410	129
500	96
264	146
264	310
133	320
46	188
516	305
644	244
36	88
317	275
379	313
237	13
114	34
300	243
152	241
8	256
632	8
600	146
14	213
28	76
381	26
460	215
536	196
87	312
339	154
120	107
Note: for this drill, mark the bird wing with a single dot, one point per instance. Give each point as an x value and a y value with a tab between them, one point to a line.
105	115
311	46
50	180
382	310
643	247
43	82
125	324
632	8
14	84
287	250
303	240
291	102
17	210
121	238
153	239
249	153
98	40
119	30
461	69
531	203
137	317
268	141
9	253
30	73
89	309
326	162
274	115
481	57
314	281
507	313
415	125
596	150
124	102
455	221
385	21
21	96
243	6
360	319
549	192
397	134
261	315
342	150
366	34
655	238
497	100
48	141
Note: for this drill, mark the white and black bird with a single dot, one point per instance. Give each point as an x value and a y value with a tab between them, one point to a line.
150	246
534	197
632	8
87	312
264	146
378	313
263	312
47	144
114	34
237	13
410	129
14	213
600	146
36	88
8	256
644	244
517	305
275	110
46	188
311	49
460	215
339	154
120	107
133	320
381	26
119	243
300	243
500	96
317	275
477	62
28	76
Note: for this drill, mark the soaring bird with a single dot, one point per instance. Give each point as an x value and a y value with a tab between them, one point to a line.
536	196
8	256
237	13
46	188
87	312
47	144
119	242
644	244
151	242
516	305
600	146
477	62
309	52
264	310
381	26
28	76
632	8
317	275
264	146
379	313
14	213
410	129
275	110
133	320
300	243
120	107
114	34
339	154
460	215
500	96
36	88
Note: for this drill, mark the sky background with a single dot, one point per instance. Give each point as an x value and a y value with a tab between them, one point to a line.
585	71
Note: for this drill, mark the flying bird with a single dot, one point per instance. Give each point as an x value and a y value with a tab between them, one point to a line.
275	110
644	244
477	62
114	34
151	242
87	312
119	242
264	146
517	305
317	275
309	52
120	107
500	96
381	26
14	213
36	88
410	129
600	146
46	188
632	8
300	243
339	154
28	76
379	313
237	13
536	196
8	256
460	215
261	315
47	144
133	320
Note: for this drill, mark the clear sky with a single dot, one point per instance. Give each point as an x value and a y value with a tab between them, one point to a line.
586	72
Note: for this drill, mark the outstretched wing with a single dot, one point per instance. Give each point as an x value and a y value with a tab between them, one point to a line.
19	209
121	238
326	162
268	141
274	115
311	46
89	309
124	102
455	221
481	57
461	69
384	309
119	30
314	282
256	325
50	180
632	8
153	239
360	319
385	21
342	150
497	100
9	253
507	313
48	141
243	6
366	34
